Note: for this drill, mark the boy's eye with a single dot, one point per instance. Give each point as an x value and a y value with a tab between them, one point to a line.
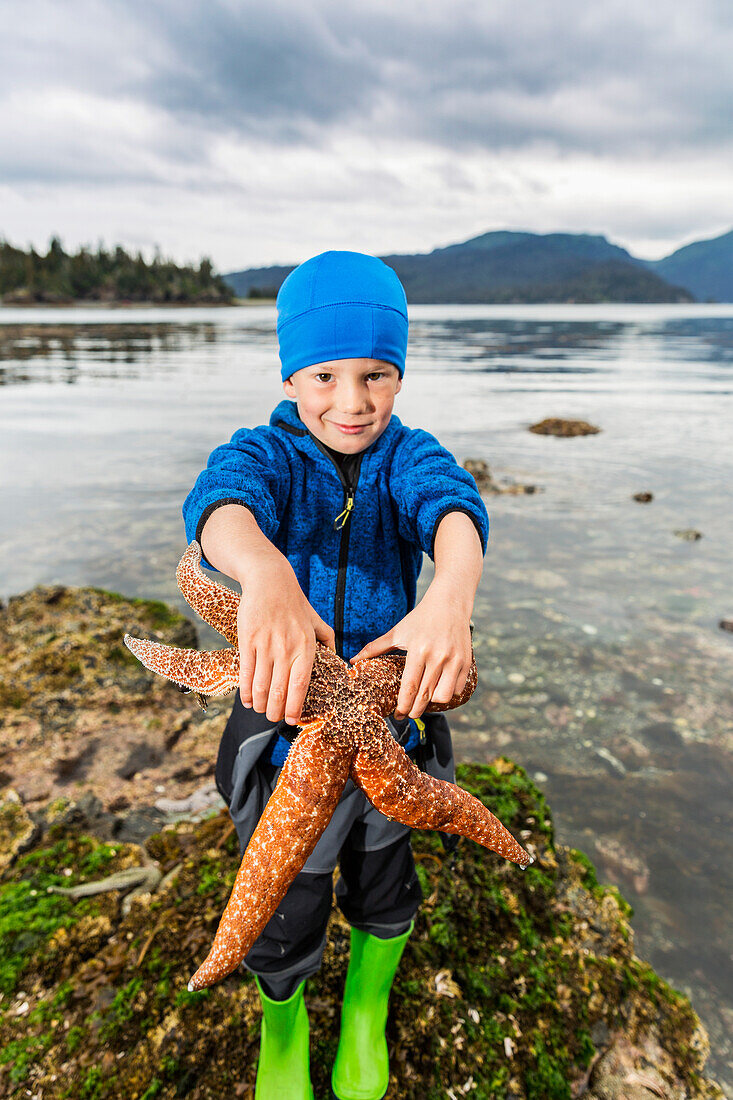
324	375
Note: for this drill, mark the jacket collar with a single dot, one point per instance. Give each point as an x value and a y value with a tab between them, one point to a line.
286	417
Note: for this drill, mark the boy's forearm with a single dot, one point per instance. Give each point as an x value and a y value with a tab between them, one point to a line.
233	542
459	560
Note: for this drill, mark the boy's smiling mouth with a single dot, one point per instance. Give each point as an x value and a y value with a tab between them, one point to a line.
349	427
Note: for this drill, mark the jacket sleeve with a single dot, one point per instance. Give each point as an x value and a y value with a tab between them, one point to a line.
427	483
251	470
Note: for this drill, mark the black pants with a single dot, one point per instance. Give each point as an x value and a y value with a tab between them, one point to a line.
378	892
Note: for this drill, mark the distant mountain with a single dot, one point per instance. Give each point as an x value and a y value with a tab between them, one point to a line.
258	282
705	268
506	266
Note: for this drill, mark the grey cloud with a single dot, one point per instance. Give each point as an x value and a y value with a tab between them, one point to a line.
274	71
608	78
460	74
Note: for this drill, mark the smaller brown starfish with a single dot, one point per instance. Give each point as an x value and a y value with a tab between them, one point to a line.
343	734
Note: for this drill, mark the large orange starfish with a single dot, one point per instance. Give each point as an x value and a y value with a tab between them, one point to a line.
343	734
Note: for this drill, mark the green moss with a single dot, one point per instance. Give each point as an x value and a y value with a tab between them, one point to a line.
159	614
121	1010
23	1055
74	1038
11	695
627	910
184	998
28	918
56	806
589	880
93	1085
546	1079
112	597
507	793
98	859
121	655
586	1047
507	944
214	875
56	668
29	915
63	994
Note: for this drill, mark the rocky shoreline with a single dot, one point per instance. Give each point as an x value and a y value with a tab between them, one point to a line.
521	985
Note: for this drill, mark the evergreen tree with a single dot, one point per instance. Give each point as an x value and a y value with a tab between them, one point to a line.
104	276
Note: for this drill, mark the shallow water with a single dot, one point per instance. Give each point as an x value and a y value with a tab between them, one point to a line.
602	666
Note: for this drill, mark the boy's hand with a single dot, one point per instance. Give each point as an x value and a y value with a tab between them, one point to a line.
437	637
277	630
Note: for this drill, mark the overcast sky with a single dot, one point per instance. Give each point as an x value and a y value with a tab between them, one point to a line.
266	132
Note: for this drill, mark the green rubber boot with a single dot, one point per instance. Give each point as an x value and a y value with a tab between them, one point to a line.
283	1071
361	1069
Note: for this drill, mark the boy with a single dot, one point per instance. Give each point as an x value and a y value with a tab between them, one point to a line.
323	517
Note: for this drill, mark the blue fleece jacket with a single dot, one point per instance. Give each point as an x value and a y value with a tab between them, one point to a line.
356	549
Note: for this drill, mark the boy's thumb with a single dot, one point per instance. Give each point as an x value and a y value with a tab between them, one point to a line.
324	632
373	649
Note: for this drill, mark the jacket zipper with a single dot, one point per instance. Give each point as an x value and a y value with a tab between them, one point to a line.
341	524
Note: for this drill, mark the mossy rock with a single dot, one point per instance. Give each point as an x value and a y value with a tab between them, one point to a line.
17	830
560	426
56	637
71	691
512	984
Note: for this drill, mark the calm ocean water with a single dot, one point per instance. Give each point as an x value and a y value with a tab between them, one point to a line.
602	667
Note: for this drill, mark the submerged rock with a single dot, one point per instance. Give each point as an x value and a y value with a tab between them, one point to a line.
557	425
688	533
480	472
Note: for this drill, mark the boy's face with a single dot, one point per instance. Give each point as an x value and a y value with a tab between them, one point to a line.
355	394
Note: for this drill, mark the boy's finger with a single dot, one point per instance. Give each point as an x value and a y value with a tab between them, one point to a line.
324	633
300	674
423	693
261	683
247	662
451	682
409	685
277	692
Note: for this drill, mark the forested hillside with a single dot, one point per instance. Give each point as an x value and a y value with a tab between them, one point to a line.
60	278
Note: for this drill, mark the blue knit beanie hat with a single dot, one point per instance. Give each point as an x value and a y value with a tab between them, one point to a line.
341	305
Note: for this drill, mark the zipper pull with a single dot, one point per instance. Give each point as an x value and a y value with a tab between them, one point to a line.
346	512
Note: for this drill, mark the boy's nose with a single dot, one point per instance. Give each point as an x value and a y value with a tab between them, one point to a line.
355	402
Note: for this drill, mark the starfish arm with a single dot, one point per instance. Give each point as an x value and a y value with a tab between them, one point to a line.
330	673
215	603
385	673
299	809
214	673
392	783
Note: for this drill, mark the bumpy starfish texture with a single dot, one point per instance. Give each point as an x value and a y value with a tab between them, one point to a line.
343	735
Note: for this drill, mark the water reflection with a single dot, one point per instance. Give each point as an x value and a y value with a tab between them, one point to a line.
65	353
